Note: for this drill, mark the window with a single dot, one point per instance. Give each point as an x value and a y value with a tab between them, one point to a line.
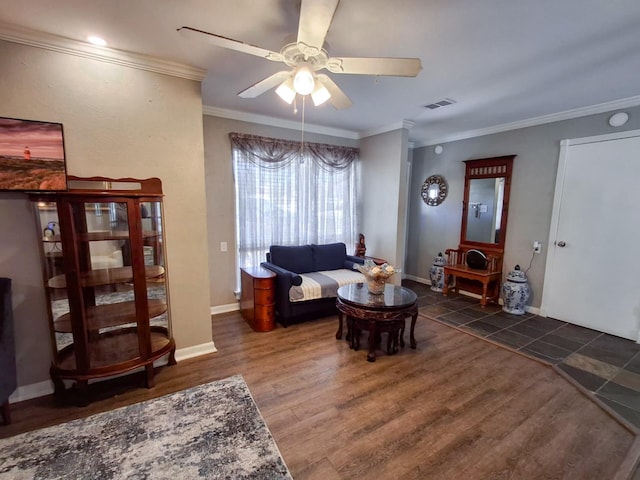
292	195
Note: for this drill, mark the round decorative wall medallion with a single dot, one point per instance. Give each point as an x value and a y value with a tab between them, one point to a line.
434	190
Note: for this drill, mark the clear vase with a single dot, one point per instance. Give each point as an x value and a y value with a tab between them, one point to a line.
376	286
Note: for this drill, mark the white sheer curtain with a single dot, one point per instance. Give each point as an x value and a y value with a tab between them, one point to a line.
289	195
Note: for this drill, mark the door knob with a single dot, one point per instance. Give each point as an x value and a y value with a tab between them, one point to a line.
561	244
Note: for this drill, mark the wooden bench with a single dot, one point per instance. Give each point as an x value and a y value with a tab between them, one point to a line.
485	282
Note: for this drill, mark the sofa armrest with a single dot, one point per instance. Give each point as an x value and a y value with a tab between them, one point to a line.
287	275
351	260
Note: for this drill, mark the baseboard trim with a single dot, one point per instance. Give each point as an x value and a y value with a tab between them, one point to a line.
529	309
195	351
230	307
33	390
40	389
417	279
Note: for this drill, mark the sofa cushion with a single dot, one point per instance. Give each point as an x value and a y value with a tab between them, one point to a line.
330	256
325	284
298	259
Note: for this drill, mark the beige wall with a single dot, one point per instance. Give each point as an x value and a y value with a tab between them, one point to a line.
220	196
118	122
383	195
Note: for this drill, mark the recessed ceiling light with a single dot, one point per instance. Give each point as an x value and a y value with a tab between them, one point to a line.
101	42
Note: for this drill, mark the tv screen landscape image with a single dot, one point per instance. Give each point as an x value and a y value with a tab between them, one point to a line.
32	156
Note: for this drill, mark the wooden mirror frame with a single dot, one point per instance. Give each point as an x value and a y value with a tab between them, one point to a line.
495	167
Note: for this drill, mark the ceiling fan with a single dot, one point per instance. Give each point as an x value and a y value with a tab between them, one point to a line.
306	58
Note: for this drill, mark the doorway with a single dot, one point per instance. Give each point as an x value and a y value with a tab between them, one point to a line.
592	275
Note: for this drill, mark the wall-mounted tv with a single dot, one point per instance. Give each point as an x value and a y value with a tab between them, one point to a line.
32	156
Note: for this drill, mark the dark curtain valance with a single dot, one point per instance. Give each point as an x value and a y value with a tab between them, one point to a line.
269	152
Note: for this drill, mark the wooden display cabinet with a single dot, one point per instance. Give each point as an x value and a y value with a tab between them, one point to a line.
106	279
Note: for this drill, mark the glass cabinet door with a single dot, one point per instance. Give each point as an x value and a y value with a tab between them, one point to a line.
153	254
106	316
48	227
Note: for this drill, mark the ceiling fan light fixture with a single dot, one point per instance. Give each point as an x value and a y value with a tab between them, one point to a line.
303	82
286	91
320	94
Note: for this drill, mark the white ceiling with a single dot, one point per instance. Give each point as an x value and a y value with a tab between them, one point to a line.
502	61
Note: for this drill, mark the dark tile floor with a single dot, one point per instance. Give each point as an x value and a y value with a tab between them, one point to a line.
606	365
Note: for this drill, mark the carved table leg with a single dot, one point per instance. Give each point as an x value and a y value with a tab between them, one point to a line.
391	340
82	399
396	334
445	287
412	337
172	357
483	300
354	333
339	332
149	376
371	356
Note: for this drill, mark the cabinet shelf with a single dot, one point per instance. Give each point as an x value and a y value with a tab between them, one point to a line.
116	352
103	235
113	235
111	315
106	276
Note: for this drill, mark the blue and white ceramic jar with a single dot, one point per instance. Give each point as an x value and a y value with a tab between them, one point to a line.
436	273
515	292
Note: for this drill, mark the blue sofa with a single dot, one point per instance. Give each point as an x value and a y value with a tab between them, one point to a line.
294	264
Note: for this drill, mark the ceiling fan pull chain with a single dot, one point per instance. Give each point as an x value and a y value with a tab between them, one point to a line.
302	139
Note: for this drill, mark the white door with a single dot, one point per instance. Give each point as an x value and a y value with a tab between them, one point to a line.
592	277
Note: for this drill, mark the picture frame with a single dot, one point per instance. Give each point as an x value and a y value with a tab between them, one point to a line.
32	156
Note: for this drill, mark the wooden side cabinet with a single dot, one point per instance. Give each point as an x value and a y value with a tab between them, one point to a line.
258	297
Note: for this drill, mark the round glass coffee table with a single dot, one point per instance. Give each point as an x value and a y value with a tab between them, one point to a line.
386	312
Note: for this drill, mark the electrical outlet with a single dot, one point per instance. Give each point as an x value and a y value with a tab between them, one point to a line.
537	247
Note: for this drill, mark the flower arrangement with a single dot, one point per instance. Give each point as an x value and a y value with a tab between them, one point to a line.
376	275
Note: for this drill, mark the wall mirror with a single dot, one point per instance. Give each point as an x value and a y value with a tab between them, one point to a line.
486	202
434	190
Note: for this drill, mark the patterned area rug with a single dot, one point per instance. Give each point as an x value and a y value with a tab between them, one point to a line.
210	431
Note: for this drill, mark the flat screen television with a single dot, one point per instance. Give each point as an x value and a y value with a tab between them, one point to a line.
32	156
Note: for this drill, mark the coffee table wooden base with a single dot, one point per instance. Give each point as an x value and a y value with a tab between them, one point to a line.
376	322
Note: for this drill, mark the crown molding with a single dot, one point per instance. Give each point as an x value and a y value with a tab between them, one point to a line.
532	122
295	125
278	122
55	43
399	125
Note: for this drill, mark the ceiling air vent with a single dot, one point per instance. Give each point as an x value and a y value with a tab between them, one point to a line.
441	103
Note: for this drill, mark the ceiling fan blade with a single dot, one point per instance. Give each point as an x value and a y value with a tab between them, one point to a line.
315	18
338	98
395	67
224	42
266	84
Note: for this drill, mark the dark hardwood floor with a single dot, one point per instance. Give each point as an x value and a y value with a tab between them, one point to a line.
457	407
